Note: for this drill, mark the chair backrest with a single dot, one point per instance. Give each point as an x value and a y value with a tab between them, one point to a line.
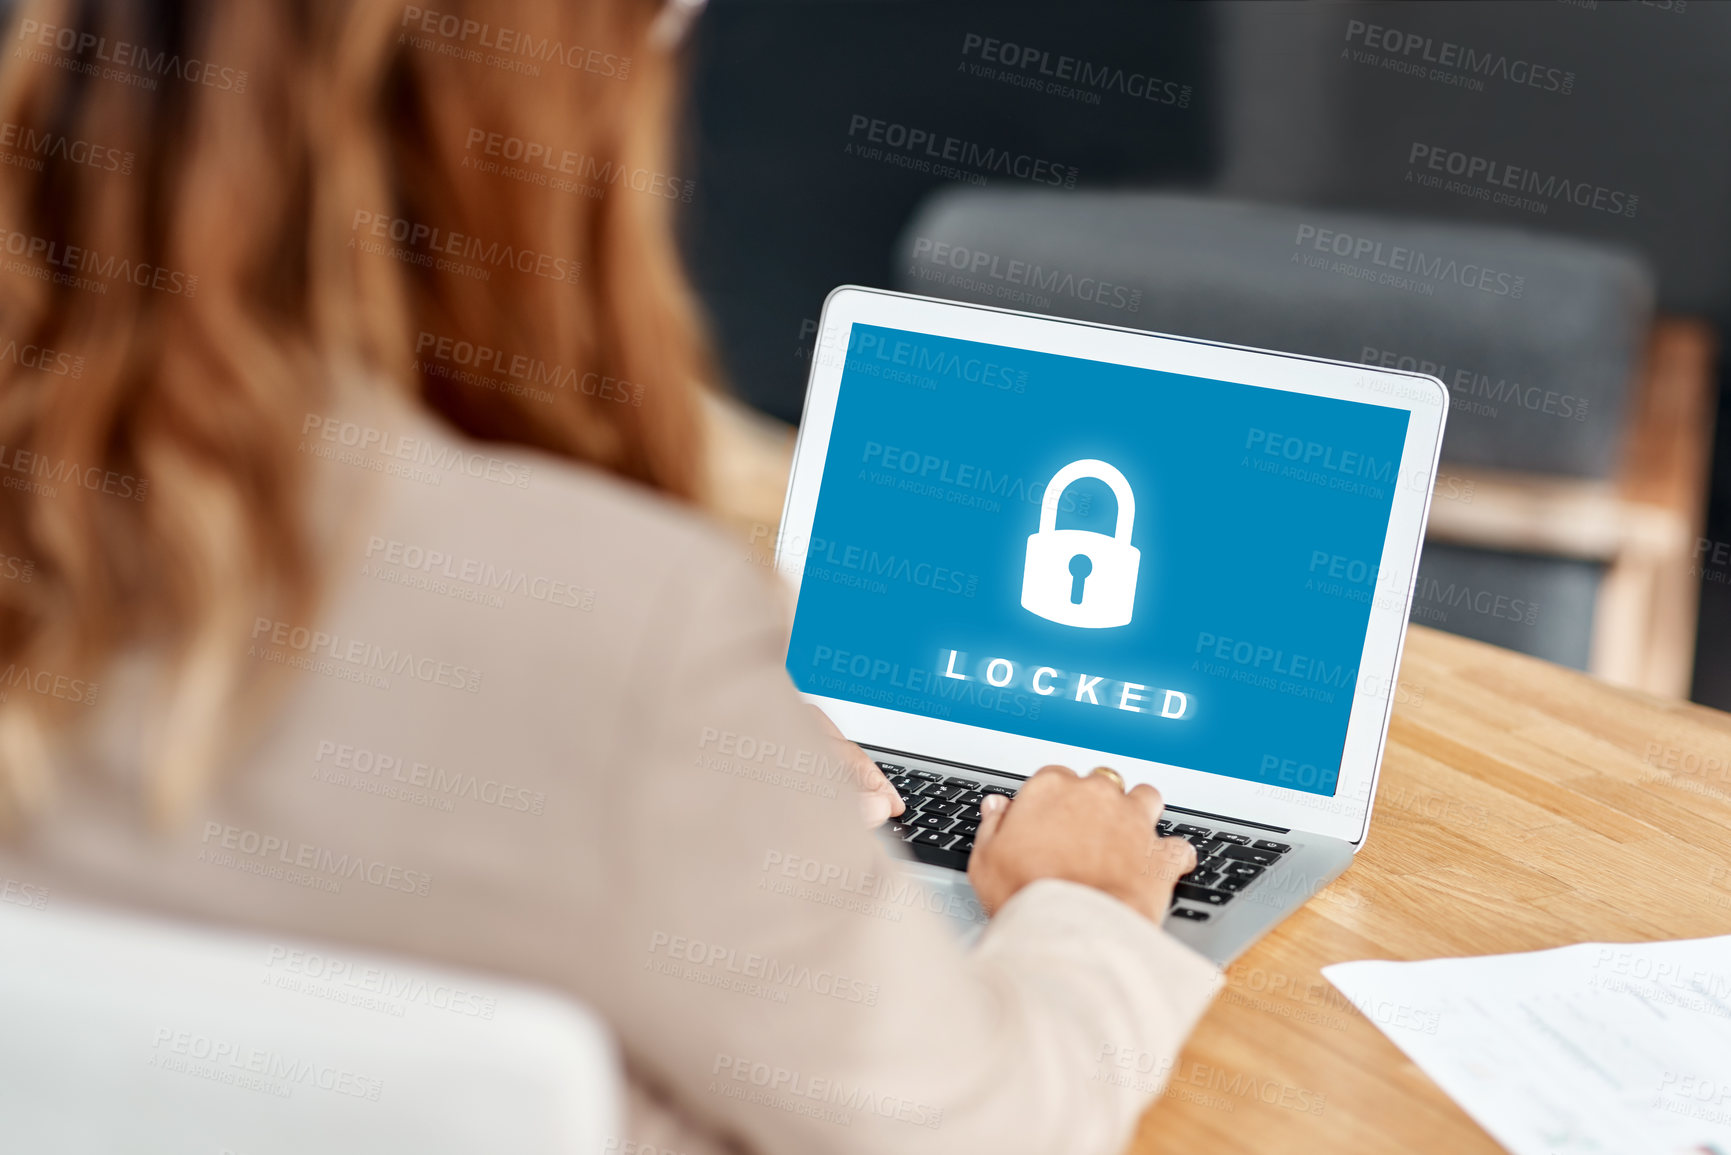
123	1034
1538	337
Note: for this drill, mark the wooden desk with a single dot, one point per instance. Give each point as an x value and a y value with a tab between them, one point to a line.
1522	806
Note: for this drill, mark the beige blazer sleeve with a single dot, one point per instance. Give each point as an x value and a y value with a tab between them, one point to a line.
772	977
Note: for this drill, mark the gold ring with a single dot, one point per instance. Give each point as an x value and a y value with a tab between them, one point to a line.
1108	772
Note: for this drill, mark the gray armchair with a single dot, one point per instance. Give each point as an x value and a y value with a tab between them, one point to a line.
1542	538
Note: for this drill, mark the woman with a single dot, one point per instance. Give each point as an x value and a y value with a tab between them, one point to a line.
347	396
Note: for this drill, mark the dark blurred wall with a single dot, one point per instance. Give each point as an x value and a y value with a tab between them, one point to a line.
1646	113
785	211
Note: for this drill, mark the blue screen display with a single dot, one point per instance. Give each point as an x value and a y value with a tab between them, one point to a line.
1218	624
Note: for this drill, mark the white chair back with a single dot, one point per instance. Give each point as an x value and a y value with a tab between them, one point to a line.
127	1035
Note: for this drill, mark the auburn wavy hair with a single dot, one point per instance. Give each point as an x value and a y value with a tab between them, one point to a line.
188	196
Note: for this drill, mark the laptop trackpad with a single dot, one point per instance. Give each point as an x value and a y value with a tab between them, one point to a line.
944	892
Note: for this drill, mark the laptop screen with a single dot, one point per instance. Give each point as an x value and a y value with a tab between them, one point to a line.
1194	589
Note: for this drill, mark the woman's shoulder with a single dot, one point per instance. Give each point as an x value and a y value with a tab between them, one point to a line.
502	527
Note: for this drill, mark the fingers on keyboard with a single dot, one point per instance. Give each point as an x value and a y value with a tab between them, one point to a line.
943	815
1226	863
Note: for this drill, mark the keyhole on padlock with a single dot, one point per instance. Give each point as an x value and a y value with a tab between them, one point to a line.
1080	567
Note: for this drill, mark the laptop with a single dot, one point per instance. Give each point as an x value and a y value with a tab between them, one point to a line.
1017	540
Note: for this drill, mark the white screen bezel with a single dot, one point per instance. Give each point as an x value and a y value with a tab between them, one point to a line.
1343	815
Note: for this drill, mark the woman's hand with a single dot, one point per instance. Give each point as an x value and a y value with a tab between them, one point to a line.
878	799
1085	830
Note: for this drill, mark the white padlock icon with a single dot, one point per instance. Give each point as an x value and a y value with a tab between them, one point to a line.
1077	577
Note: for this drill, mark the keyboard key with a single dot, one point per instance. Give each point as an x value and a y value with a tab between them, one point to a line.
967	829
1233	883
928	821
1200	894
1163	826
891	768
1190	913
969	814
1204	865
937	856
1276	847
1202	878
994	788
1249	854
935	838
1186	829
965	782
926	774
1245	870
1240	839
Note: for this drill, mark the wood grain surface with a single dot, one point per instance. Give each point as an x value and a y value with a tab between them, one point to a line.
1522	806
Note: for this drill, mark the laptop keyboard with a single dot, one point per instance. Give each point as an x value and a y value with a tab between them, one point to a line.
943	815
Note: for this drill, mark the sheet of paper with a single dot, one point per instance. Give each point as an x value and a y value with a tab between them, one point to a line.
1601	1048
